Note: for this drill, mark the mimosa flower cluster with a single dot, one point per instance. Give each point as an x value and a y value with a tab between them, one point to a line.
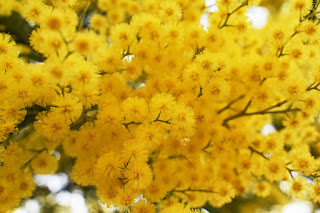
150	103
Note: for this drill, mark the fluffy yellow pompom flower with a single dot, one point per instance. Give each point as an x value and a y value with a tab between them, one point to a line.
85	73
143	207
110	116
7	127
26	185
107	193
125	199
294	88
310	29
149	134
218	90
68	106
161	103
88	95
299	187
14	112
182	115
7	46
108	167
135	109
155	191
33	10
57	71
301	6
86	43
54	127
276	169
109	60
83	172
262	189
122	35
170	11
135	150
302	160
4	189
139	175
44	163
183	121
98	22
225	193
315	193
52	21
206	61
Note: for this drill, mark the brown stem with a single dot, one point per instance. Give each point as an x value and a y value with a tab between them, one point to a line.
130	123
225	24
261	112
32	158
83	15
207	146
311	87
253	150
178	156
162	121
290	172
197	52
312	12
285	43
231	103
200	92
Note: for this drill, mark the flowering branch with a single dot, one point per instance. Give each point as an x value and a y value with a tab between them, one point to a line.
261	112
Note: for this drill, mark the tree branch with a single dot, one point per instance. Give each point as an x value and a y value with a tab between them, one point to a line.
261	112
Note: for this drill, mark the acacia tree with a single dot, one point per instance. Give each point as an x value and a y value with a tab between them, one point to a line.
145	101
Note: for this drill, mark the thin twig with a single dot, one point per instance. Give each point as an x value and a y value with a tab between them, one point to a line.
225	24
311	87
261	112
130	123
231	103
253	150
83	15
207	146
